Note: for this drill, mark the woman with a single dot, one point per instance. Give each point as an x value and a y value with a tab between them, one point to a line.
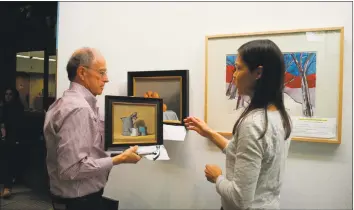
2	126
12	118
255	157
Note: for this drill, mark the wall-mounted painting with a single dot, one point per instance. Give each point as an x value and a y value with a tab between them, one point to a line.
133	121
313	78
299	83
169	85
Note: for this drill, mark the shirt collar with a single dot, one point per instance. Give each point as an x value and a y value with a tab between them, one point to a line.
89	97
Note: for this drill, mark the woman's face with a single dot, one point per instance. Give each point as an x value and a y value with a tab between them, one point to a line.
244	79
8	95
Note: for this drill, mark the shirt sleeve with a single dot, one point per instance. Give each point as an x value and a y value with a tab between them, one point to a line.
76	137
102	129
249	154
224	150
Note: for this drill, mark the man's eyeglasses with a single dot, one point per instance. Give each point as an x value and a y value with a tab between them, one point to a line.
102	73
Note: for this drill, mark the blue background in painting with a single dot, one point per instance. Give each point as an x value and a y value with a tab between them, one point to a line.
230	60
292	69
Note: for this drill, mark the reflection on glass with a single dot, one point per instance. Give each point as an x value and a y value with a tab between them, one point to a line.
52	79
30	79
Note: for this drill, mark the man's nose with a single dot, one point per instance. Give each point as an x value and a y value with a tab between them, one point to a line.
105	78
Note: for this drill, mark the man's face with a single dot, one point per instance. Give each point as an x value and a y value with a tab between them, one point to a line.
95	76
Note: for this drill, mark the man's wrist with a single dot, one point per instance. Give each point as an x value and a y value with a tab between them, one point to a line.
118	159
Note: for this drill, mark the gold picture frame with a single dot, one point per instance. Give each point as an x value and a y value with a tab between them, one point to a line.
132	121
218	47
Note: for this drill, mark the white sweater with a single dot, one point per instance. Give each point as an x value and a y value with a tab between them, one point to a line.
254	168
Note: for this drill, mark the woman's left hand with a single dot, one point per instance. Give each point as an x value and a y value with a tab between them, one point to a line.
212	172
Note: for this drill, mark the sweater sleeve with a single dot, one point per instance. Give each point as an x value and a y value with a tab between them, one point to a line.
249	154
224	150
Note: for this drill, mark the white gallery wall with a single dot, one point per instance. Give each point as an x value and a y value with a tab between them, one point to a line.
166	36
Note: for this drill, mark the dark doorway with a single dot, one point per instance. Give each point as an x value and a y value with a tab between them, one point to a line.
28	62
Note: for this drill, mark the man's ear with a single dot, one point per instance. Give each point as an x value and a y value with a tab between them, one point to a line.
80	72
258	72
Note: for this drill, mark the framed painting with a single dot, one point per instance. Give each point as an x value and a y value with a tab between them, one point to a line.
312	81
170	85
132	121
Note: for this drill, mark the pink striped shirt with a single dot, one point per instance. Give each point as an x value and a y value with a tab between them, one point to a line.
74	133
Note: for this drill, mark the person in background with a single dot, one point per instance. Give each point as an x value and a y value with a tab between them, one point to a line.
11	126
2	125
256	155
77	164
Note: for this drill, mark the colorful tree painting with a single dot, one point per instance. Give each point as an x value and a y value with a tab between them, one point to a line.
230	69
299	81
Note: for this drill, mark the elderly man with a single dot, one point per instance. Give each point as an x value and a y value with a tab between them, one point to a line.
77	164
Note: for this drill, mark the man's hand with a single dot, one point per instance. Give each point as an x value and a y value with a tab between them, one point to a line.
150	94
128	156
131	156
212	172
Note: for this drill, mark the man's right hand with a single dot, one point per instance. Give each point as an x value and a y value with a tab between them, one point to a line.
131	156
128	156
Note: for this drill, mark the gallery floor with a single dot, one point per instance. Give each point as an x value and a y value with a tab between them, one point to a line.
25	199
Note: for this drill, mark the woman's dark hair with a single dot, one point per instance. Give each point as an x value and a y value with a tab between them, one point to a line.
269	87
15	96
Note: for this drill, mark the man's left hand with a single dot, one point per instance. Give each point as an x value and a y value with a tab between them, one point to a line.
212	172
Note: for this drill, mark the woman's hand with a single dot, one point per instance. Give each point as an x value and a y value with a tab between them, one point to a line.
198	125
212	172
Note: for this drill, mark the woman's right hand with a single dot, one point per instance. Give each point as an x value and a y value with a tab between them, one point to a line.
198	125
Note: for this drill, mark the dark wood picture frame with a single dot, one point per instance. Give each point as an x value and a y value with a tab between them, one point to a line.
111	100
181	75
